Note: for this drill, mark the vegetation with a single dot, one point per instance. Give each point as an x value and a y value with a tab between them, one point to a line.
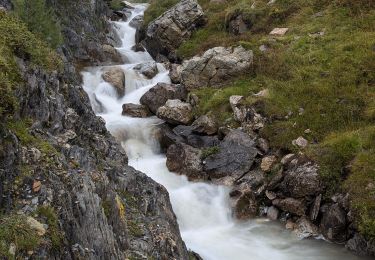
320	76
14	230
157	8
116	5
210	151
53	232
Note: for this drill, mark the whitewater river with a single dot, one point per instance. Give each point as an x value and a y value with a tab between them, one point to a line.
202	209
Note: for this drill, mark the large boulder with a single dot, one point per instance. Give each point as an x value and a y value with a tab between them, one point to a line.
302	181
215	66
136	22
205	125
165	34
135	110
116	77
176	112
235	156
159	94
149	69
193	139
291	205
334	224
186	160
243	202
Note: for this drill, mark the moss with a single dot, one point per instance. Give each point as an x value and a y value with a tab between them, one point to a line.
209	151
157	8
54	233
15	230
116	5
134	228
106	205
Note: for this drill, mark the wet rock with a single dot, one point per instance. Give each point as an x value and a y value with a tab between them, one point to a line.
158	95
135	110
112	53
235	157
136	22
116	77
302	181
186	160
303	228
243	202
333	223
205	125
291	205
273	213
166	33
268	162
175	73
279	31
166	136
148	69
176	112
215	66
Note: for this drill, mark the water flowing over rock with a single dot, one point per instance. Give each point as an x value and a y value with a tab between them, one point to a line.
165	34
215	66
148	69
176	112
116	77
135	110
158	95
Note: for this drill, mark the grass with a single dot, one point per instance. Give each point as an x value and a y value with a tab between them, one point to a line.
209	151
54	233
322	82
116	5
157	8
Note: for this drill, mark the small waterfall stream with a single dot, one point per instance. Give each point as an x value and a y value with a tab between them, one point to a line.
202	209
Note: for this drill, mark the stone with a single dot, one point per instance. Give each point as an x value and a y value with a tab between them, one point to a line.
236	155
302	181
158	95
37	185
314	211
112	53
300	142
268	162
270	195
237	25
291	205
175	73
138	48
176	112
116	77
215	66
279	31
243	202
303	228
360	245
273	213
193	139
333	223
136	22
205	125
287	158
263	145
135	110
36	225
186	160
289	224
12	247
245	114
167	32
148	69
252	179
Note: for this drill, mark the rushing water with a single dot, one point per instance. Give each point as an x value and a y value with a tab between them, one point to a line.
202	209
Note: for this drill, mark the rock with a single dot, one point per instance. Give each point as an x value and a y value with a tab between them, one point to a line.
121	15
264	93
116	77
112	53
237	25
273	213
287	158
136	22
215	66
167	32
37	185
195	140
300	142
333	223
205	125
268	162
148	69
186	160
135	110
138	47
279	31
291	205
302	181
158	95
235	157
252	179
270	195
193	99
176	112
166	137
36	225
12	247
262	145
360	245
175	73
243	202
314	211
303	228
245	114
290	224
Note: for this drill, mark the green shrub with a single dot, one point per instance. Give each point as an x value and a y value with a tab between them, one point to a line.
40	19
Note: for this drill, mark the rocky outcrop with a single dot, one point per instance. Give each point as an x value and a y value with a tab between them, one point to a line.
135	110
215	66
176	112
159	94
165	34
116	77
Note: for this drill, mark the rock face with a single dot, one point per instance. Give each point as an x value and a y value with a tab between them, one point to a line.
158	95
135	110
176	112
215	66
148	69
165	34
116	77
235	156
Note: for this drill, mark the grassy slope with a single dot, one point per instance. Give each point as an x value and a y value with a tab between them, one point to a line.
322	83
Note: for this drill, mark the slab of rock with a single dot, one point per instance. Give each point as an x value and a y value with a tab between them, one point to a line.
303	228
148	69
302	181
167	32
186	160
333	224
291	205
215	66
176	112
279	31
205	125
158	95
243	202
193	139
300	142
135	110
268	162
235	157
116	77
136	22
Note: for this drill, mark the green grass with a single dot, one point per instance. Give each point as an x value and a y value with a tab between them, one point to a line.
54	233
209	151
157	8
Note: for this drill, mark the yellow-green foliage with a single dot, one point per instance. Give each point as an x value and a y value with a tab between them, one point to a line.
15	230
17	41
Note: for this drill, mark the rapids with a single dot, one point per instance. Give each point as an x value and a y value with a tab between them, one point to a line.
202	209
